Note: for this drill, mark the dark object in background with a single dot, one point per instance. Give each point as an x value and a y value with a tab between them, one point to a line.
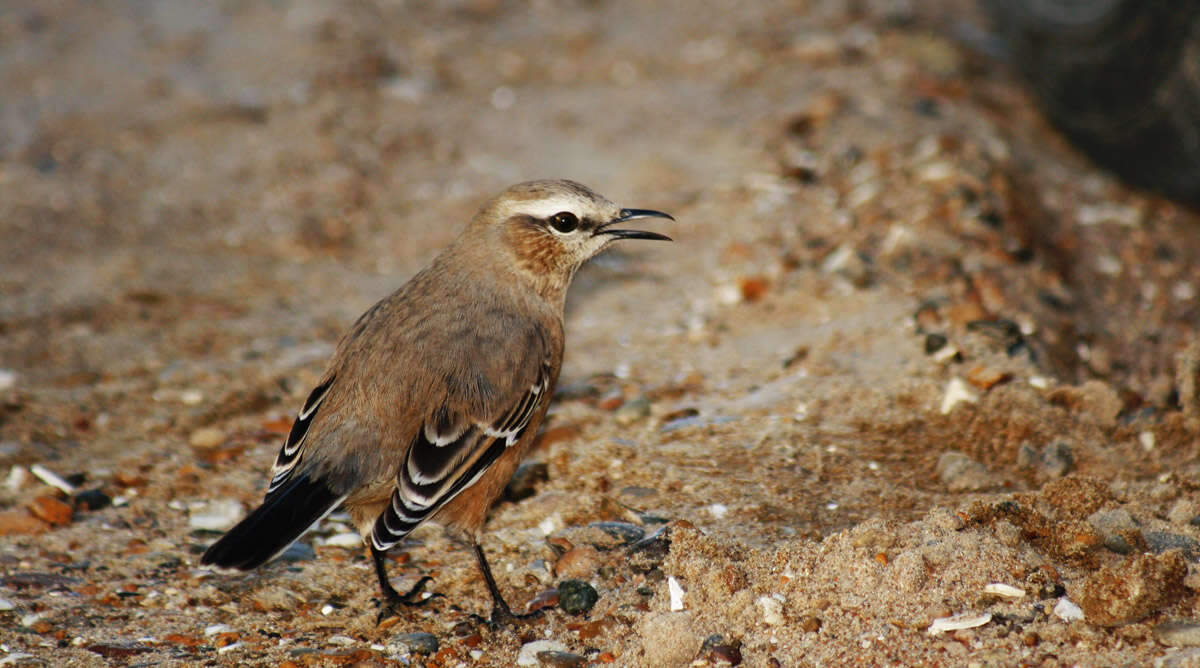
1121	78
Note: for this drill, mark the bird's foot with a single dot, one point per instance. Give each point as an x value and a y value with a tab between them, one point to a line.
393	601
504	618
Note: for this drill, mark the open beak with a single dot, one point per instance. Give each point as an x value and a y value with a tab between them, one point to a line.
634	214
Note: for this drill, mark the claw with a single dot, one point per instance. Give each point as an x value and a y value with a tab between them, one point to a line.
504	618
393	601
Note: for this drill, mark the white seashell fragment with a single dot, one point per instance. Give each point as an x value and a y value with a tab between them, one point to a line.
958	622
676	592
1004	590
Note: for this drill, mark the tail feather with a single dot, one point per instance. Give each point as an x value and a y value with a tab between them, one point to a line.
284	516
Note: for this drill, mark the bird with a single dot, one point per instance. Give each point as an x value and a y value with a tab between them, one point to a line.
433	396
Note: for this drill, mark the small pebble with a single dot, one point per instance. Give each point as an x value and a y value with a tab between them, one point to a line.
1004	590
947	354
726	654
956	392
214	629
624	532
528	656
1057	460
958	622
524	482
985	378
345	539
772	610
578	562
576	596
298	551
961	473
560	659
1178	634
52	511
217	515
632	411
675	593
934	343
1067	611
17	476
1161	541
8	379
206	437
92	499
1117	543
418	643
1146	439
51	478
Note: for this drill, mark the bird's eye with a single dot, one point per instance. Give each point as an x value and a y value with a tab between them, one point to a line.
564	222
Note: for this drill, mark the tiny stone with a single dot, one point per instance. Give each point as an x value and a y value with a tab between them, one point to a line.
51	510
206	438
560	659
8	379
1112	521
632	411
934	343
726	654
1057	460
1117	543
1178	634
92	499
958	622
344	539
960	473
623	531
1027	456
944	519
1161	541
528	656
772	609
524	482
1182	511
418	642
218	515
1004	590
675	593
810	624
578	562
1067	611
576	596
956	392
985	378
711	642
298	552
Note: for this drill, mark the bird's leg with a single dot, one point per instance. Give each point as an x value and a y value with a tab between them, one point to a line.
502	615
392	599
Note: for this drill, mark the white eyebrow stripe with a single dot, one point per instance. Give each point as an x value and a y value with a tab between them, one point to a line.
544	208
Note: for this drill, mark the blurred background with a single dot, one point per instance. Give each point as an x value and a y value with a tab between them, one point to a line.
905	229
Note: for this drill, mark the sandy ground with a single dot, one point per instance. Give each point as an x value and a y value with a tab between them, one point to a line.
908	346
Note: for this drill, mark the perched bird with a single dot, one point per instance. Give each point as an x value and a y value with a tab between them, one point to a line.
435	394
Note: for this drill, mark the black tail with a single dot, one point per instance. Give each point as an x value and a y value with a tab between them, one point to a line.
284	515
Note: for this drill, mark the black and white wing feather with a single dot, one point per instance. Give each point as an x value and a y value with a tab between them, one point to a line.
448	455
295	500
293	448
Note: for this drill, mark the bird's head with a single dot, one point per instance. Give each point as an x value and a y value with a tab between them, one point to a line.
552	227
